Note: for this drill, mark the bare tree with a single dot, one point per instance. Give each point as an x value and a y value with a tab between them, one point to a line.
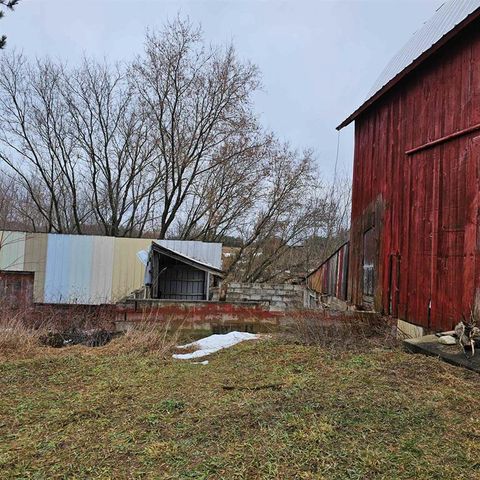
168	146
199	105
120	162
77	142
282	216
35	138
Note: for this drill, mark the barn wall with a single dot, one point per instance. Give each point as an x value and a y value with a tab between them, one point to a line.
422	206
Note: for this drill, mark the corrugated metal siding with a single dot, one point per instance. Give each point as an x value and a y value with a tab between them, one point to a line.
87	269
57	271
424	206
12	250
331	277
128	271
210	253
35	261
449	15
80	258
102	269
92	270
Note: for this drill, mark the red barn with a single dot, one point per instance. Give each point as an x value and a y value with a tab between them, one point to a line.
415	240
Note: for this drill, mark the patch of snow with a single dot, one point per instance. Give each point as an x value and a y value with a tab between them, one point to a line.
205	362
213	343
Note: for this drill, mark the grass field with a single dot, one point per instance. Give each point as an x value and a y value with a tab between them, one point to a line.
265	409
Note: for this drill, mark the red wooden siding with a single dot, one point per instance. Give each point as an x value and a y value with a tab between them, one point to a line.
423	204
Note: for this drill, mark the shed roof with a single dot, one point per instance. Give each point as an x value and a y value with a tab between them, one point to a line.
452	17
160	247
209	253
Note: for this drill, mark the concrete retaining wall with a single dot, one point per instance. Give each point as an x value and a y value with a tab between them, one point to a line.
276	298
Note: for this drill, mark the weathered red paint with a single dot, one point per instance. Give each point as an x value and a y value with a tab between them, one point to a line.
186	314
423	203
191	313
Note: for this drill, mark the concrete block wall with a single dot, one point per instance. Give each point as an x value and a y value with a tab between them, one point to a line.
278	297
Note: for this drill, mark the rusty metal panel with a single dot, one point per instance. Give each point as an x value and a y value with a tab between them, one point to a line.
330	278
16	289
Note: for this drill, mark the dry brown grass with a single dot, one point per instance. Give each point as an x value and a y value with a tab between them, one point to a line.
24	331
289	412
352	331
146	337
17	339
24	335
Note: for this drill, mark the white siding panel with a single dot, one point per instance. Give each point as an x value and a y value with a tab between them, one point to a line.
80	258
57	273
12	250
68	269
102	270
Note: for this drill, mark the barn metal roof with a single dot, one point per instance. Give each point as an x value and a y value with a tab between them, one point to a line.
449	19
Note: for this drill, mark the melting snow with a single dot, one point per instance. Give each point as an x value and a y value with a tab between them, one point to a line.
213	343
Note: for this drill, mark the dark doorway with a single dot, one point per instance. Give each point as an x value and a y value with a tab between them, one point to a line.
177	281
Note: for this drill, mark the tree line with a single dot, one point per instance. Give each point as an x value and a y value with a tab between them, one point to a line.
166	146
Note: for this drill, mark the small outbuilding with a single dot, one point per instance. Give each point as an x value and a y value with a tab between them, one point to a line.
52	268
177	276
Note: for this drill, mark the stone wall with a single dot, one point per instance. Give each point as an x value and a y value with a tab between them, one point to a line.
279	297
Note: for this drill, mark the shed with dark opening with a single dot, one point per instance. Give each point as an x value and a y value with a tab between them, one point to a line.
414	241
176	276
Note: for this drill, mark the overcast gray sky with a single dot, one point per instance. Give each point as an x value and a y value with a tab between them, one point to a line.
318	58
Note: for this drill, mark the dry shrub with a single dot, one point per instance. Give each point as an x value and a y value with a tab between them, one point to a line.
26	330
341	331
64	318
159	338
17	338
29	331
